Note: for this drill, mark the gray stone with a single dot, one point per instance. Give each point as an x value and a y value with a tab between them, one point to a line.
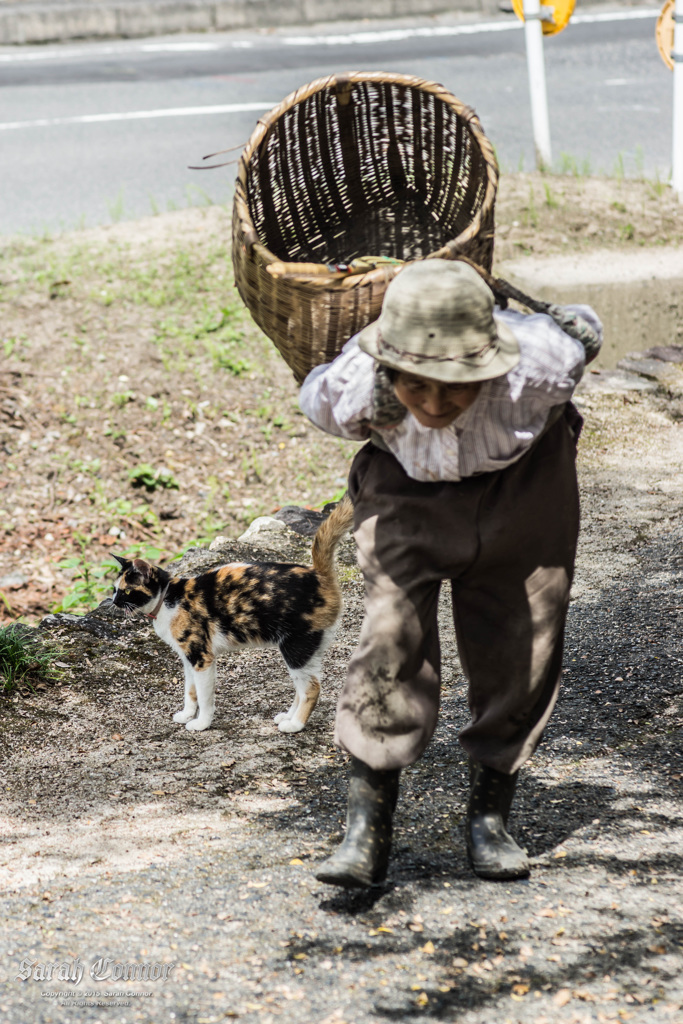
614	380
22	629
284	546
667	375
262	531
667	353
304	521
13	581
107	610
60	619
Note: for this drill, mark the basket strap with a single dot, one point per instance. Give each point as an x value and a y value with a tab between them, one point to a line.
571	323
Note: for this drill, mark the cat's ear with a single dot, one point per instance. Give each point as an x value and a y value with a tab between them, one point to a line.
123	562
143	567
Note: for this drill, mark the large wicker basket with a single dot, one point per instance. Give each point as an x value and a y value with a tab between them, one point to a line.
352	166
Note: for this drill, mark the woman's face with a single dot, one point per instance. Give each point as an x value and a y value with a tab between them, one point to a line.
433	403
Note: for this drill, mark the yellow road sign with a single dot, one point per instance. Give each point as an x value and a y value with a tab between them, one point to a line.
664	33
555	14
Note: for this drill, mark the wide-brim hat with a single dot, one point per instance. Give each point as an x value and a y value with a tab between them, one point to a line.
437	321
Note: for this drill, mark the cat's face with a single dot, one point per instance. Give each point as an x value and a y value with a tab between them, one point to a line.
137	588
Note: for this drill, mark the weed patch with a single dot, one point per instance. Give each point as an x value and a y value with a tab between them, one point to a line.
25	658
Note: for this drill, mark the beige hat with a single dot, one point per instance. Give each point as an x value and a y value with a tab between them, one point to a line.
437	321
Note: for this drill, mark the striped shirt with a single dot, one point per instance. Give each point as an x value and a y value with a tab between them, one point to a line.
507	415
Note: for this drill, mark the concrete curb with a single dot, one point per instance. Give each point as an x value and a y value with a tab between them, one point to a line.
638	295
52	21
28	22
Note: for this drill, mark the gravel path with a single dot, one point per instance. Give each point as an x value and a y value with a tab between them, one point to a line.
129	841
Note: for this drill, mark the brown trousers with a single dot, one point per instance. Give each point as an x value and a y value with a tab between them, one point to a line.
507	541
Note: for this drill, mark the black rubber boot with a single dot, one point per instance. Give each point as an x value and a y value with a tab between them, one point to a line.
492	851
362	858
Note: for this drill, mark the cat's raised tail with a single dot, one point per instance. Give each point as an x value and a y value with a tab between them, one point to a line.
325	542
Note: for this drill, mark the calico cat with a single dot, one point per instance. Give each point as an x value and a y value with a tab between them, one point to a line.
293	607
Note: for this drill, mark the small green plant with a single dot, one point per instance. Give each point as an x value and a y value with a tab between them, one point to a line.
116	208
147	476
141	549
223	359
657	188
88	579
619	207
627	232
147	517
115	435
202	197
568	164
24	657
619	170
90	584
122	398
90	466
550	200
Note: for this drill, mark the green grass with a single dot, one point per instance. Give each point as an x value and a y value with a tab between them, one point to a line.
24	657
117	208
568	164
550	200
186	296
531	213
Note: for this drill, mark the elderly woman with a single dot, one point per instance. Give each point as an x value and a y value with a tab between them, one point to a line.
468	475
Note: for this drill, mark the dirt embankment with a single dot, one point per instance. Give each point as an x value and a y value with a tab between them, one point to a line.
140	406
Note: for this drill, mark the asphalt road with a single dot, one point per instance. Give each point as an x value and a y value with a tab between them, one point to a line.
91	133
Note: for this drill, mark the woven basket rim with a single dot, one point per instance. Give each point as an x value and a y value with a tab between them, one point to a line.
267	120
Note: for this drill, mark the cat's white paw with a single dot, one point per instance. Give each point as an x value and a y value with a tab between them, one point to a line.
290	725
281	717
198	724
183	716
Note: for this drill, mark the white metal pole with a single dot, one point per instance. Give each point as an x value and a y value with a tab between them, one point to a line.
677	54
537	88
